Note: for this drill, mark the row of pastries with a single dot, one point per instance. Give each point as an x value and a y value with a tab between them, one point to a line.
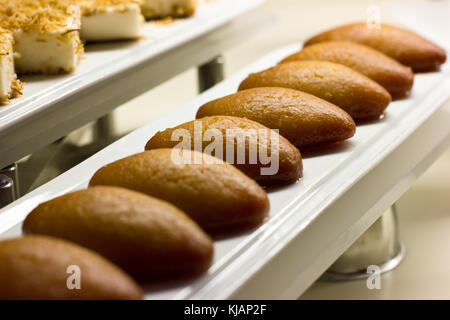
148	217
46	36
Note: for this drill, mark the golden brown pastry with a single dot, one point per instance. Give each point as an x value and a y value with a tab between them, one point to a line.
301	118
147	237
348	89
42	268
403	45
392	75
219	197
247	138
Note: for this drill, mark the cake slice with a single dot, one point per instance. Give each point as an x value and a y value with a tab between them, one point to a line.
10	86
168	8
46	34
103	20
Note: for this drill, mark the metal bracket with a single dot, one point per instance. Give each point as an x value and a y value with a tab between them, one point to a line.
211	73
379	246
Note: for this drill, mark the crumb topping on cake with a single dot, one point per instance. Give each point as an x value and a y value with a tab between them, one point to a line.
6	40
90	7
43	16
6	44
16	87
169	8
16	90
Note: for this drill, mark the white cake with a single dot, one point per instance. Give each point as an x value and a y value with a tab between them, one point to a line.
10	86
103	20
46	34
168	8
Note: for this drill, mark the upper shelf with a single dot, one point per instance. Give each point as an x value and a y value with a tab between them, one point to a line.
112	73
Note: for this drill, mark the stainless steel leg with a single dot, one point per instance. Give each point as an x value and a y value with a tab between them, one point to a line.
379	245
11	171
7	193
104	127
211	73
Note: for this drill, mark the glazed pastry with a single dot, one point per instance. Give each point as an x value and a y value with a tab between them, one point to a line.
301	118
147	237
219	197
392	75
45	268
348	89
254	138
403	45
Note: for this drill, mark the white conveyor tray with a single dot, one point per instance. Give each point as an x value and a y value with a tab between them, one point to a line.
311	222
113	73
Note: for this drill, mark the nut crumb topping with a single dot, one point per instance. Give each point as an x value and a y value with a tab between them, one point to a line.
90	7
16	87
6	42
44	16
